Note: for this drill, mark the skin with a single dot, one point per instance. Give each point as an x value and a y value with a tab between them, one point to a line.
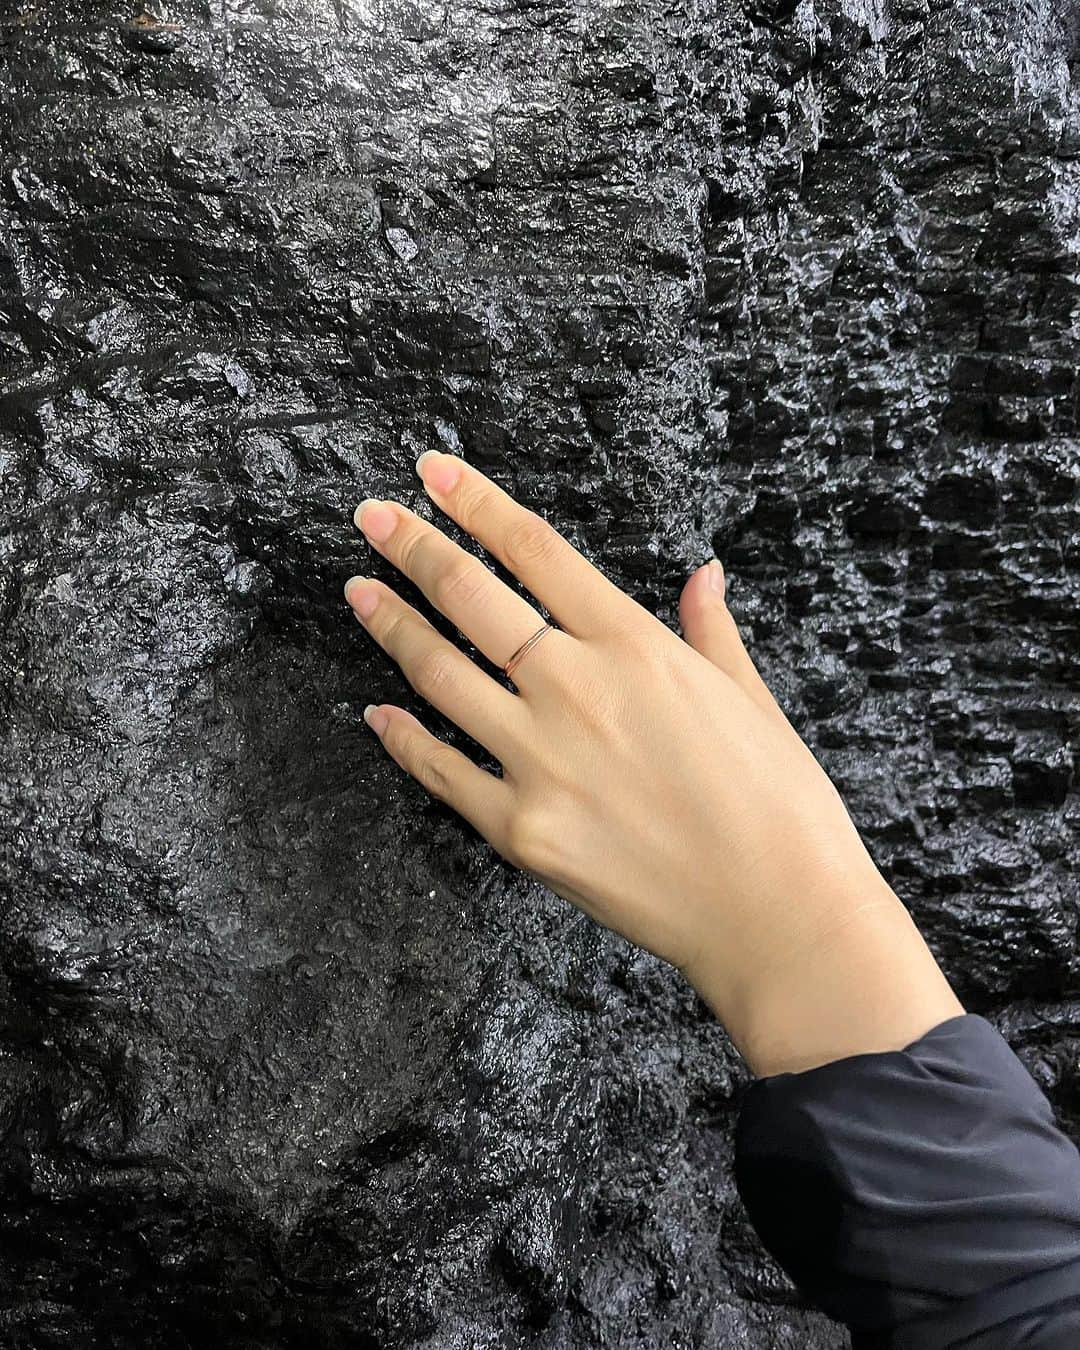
651	780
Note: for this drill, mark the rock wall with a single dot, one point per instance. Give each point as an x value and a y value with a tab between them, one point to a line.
289	1059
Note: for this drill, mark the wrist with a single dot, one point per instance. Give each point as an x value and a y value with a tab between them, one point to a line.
863	982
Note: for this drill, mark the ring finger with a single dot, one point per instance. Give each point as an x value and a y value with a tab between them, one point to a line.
492	616
435	668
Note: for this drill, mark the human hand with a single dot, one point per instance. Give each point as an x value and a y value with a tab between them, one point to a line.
653	782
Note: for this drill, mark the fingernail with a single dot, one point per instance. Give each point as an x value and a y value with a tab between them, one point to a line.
375	718
716	575
376	520
438	471
422	459
361	597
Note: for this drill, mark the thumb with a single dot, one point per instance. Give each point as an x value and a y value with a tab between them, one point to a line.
708	627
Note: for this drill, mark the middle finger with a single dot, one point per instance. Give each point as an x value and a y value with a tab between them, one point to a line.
492	616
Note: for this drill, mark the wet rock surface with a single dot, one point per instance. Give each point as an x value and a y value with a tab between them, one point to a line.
288	1057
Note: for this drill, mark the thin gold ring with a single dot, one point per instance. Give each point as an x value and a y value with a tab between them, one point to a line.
525	648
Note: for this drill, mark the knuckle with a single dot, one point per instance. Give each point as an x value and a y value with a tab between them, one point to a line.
433	771
530	540
392	632
433	673
464	584
597	706
474	501
412	549
645	645
662	667
529	839
393	637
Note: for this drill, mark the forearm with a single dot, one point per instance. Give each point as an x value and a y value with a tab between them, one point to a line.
865	981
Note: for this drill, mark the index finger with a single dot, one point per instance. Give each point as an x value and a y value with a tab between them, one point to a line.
580	597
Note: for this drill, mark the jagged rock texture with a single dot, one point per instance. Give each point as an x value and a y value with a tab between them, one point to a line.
289	1059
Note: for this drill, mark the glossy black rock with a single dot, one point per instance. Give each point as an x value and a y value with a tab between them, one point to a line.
289	1059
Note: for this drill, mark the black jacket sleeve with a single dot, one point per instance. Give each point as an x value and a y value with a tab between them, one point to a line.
924	1197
